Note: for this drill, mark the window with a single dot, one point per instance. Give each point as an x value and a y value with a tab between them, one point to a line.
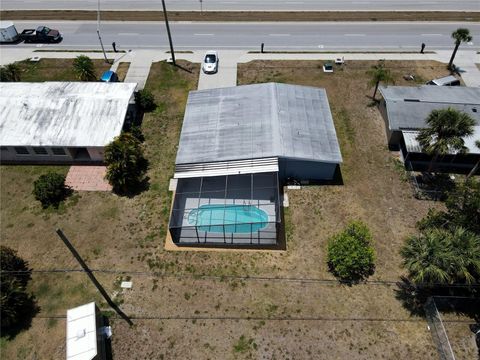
3	148
40	151
21	150
58	151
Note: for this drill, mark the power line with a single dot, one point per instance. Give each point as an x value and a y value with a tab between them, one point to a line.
236	277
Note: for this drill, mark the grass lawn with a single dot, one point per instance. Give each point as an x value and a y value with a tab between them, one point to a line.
55	69
122	70
182	314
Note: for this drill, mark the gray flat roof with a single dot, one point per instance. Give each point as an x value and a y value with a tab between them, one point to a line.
409	106
258	121
62	113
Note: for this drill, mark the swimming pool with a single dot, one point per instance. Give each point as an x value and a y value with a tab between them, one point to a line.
234	218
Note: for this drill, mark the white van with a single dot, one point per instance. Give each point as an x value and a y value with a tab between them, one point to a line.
445	81
8	32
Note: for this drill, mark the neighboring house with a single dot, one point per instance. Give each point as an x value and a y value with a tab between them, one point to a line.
405	110
61	122
86	334
238	146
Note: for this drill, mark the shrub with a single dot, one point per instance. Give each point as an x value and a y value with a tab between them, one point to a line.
126	164
50	189
145	100
351	256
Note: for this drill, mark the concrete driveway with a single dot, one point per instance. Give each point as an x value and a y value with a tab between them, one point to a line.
227	71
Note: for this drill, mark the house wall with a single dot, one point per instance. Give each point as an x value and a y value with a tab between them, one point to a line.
393	139
48	155
306	170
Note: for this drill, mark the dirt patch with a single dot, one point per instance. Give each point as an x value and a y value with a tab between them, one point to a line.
243	15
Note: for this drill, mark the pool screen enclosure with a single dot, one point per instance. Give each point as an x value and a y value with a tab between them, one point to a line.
227	210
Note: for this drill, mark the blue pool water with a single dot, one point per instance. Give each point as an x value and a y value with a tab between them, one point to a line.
236	218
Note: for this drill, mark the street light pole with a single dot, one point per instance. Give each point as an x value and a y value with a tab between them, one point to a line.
98	32
168	32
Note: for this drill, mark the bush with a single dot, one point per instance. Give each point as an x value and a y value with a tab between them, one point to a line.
145	100
50	189
126	164
17	307
350	256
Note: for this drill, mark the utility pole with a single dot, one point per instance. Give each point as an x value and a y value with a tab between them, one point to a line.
168	32
98	32
85	268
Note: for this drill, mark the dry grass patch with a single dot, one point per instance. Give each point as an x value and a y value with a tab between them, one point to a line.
55	70
122	70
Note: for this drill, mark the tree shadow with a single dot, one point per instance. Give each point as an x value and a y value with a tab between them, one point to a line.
134	189
24	319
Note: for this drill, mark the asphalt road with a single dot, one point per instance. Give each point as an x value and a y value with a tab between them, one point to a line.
249	36
246	5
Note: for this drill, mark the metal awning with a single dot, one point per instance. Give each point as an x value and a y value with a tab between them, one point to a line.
220	168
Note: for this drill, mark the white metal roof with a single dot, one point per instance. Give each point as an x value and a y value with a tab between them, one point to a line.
412	145
258	121
81	332
87	114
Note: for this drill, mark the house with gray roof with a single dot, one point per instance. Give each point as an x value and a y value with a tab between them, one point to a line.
61	122
237	147
405	110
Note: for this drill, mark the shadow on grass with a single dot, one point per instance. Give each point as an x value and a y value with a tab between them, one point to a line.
134	189
461	300
182	68
29	309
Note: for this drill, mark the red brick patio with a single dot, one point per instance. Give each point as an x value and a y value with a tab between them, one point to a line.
87	178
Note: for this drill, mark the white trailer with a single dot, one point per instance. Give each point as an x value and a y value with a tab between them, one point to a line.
8	32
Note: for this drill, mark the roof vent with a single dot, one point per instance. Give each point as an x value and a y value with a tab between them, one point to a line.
81	333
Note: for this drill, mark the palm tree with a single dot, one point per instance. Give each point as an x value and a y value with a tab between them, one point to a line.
445	132
460	35
379	73
84	68
466	253
126	164
428	257
475	168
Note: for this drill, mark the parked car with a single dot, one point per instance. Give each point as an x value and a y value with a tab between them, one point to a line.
109	76
328	67
42	34
8	32
210	62
445	81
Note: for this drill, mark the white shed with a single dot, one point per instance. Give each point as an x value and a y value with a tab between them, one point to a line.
85	340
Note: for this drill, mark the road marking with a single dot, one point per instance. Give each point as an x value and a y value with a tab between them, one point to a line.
432	35
294	2
354	35
203	34
128	34
361	2
278	34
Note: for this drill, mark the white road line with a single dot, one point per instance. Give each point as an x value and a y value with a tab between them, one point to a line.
432	34
278	34
354	35
203	34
